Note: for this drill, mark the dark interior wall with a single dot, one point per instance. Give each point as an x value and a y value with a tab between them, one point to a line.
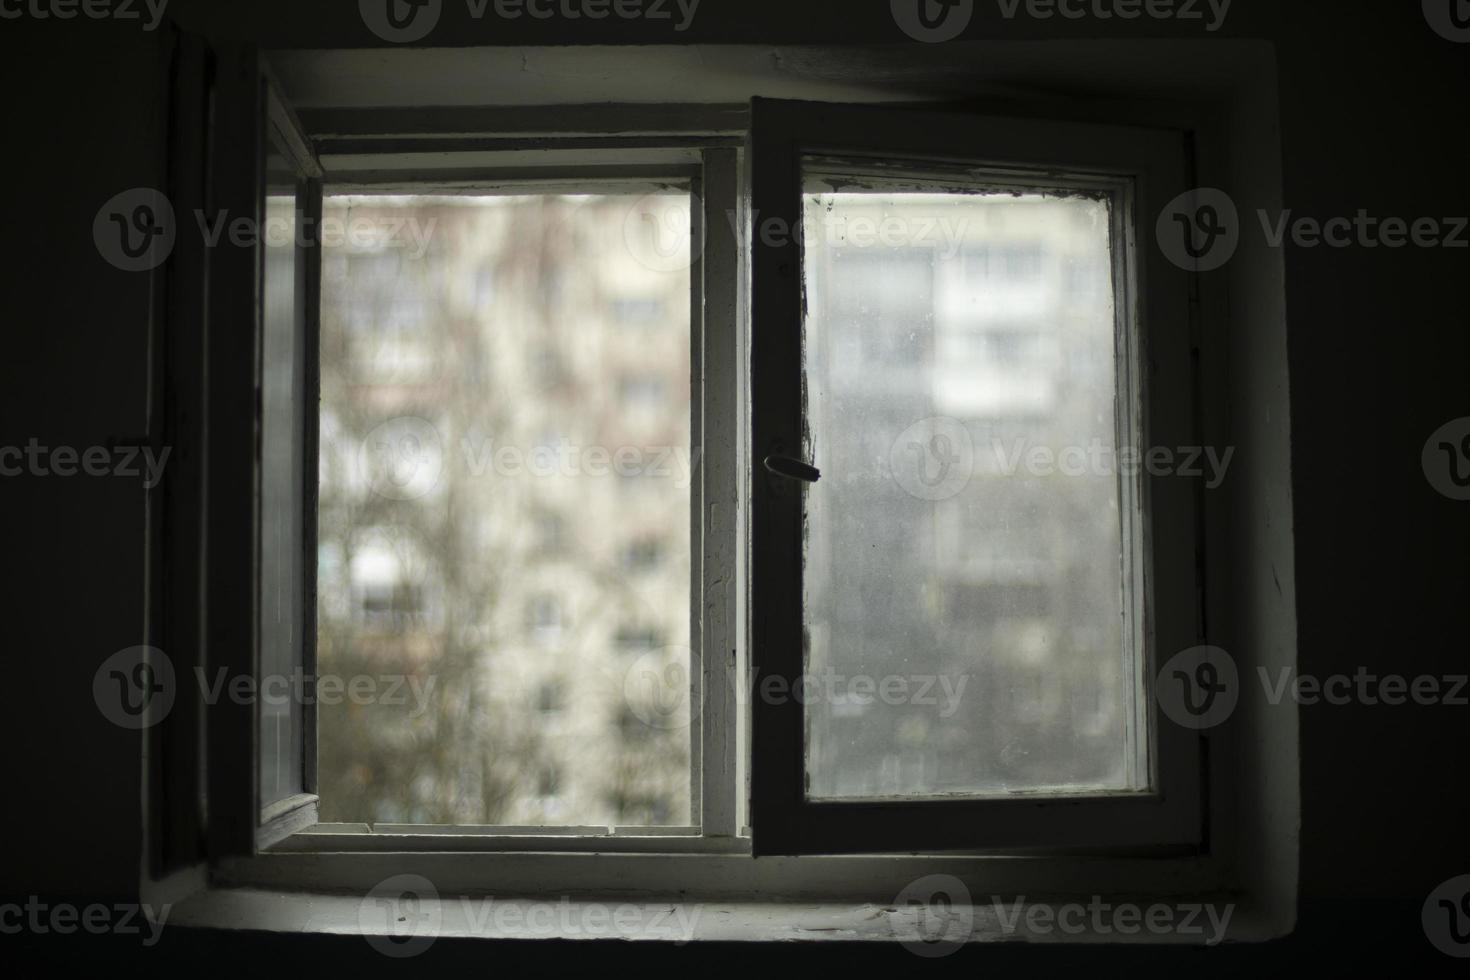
1372	118
83	122
1379	341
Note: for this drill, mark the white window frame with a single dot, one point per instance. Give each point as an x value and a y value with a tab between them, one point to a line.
717	172
320	857
708	170
1138	170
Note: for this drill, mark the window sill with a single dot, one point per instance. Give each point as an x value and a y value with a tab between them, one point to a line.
1199	922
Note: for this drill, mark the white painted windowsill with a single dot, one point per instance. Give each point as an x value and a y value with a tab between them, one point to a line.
1085	921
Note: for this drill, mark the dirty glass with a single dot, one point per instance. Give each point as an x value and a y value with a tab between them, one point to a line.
969	629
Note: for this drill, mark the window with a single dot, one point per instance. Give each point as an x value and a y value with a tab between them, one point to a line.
551	697
778	572
635	640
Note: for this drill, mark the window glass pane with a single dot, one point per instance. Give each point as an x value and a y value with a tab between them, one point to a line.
965	566
283	400
496	372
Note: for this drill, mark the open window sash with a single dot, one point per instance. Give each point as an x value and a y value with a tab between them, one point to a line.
794	147
264	205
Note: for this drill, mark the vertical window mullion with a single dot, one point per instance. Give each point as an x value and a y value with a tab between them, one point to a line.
718	502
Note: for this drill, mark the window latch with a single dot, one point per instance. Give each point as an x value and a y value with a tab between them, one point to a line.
793	469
